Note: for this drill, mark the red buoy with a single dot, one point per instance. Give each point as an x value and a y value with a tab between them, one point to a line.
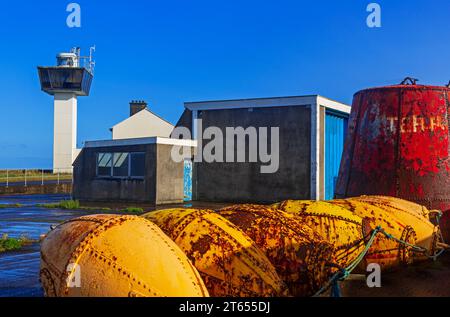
398	145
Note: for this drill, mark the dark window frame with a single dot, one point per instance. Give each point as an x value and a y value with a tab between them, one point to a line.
111	175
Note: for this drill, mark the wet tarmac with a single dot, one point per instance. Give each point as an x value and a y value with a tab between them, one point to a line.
19	271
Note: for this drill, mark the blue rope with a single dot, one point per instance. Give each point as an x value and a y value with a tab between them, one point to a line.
415	247
344	273
336	289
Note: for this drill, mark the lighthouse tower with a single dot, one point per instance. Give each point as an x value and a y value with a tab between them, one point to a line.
65	82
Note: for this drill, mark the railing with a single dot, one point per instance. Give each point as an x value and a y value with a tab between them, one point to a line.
28	177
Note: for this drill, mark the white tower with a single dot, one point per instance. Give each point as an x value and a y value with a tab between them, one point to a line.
65	82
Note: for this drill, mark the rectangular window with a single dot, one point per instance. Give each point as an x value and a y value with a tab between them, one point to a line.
137	162
104	163
121	165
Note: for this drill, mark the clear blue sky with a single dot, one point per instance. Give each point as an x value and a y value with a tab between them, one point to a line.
168	52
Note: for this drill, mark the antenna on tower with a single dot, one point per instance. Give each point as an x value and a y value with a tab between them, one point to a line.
76	51
81	61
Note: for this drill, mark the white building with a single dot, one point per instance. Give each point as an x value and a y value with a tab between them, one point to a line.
142	123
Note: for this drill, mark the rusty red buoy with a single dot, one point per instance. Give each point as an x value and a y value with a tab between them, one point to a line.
398	145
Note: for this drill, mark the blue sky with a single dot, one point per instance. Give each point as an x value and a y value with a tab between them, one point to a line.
168	52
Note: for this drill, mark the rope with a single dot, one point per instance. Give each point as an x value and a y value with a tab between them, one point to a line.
438	224
414	247
344	273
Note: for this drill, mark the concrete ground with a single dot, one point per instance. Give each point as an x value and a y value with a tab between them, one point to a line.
426	279
19	271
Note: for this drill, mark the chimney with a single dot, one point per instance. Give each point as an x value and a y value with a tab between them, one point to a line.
136	106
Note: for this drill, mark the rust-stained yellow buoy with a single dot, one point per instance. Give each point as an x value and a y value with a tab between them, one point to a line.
406	206
428	235
228	260
339	226
298	253
386	252
115	256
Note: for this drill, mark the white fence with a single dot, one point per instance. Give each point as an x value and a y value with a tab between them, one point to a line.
28	177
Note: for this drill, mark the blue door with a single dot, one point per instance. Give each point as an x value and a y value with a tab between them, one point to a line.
187	180
335	130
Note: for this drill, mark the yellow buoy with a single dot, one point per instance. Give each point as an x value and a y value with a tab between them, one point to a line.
339	226
396	203
115	256
297	252
228	260
386	252
410	214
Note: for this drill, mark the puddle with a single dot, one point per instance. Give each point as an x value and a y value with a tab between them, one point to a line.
19	271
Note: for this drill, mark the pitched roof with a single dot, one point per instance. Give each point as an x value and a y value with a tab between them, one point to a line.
140	112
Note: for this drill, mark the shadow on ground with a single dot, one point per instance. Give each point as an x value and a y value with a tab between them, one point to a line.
425	279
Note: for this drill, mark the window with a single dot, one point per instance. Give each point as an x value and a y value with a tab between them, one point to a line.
137	162
104	163
121	165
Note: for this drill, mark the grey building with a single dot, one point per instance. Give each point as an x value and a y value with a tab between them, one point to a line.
138	170
310	133
311	138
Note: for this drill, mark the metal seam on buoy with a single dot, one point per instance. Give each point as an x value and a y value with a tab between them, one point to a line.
75	257
164	239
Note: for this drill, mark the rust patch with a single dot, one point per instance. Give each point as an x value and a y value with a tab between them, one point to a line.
202	245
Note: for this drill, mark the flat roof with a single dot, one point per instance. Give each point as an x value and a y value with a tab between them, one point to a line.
140	141
306	100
